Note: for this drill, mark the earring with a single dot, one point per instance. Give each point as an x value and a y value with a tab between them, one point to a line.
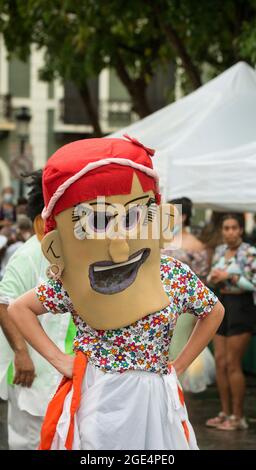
53	272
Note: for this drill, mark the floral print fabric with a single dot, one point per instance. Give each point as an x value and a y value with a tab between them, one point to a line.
242	263
198	261
144	345
250	265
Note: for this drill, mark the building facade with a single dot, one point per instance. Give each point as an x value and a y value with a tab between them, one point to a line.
58	115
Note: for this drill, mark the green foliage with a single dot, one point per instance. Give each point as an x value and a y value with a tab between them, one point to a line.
81	37
215	33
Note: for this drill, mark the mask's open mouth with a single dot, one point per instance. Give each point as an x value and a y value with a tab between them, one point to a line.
107	277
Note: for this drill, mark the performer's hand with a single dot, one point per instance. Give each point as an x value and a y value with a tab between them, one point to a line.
24	369
64	364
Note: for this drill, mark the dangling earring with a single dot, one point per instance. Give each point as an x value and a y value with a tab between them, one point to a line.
53	272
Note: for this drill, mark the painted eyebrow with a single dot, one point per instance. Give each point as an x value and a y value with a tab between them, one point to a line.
105	203
136	199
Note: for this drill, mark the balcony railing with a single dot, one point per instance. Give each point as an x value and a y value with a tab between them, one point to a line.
5	107
116	114
113	115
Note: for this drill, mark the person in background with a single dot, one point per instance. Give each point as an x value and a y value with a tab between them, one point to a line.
21	207
24	228
211	234
232	338
9	231
7	207
17	235
193	252
190	249
13	243
27	381
3	246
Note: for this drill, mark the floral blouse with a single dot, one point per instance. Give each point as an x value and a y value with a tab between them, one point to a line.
143	345
198	261
241	264
250	265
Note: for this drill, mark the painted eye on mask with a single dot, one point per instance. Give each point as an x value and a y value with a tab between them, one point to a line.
132	218
88	222
79	216
99	221
140	214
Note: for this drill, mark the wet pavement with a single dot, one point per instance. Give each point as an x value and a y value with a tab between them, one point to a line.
200	407
206	405
3	427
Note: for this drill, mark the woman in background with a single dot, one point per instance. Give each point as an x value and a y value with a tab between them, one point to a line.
7	207
193	252
233	336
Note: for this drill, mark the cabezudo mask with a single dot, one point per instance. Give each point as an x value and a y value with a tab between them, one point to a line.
101	197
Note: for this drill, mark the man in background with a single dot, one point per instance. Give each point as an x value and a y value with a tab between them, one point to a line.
27	381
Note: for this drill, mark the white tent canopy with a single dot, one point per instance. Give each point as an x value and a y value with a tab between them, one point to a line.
206	142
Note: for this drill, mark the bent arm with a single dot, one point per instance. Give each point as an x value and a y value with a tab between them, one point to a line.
23	364
201	335
13	335
23	312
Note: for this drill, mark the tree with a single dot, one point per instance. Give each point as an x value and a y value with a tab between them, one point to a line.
82	37
209	36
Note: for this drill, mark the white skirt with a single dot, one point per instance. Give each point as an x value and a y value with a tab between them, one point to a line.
135	410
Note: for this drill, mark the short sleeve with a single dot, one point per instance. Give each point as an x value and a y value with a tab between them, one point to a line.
53	297
187	292
198	299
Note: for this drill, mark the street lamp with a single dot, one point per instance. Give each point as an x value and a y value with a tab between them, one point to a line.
23	118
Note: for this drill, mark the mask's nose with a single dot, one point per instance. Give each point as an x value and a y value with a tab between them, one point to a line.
118	249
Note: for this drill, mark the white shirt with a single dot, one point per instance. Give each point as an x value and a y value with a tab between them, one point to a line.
26	268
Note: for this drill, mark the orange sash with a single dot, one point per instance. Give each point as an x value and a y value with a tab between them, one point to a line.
55	406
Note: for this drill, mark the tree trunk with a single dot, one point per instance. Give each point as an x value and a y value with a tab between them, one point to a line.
92	110
140	99
136	89
190	68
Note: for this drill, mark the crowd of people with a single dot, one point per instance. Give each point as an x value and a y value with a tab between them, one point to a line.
218	257
15	226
